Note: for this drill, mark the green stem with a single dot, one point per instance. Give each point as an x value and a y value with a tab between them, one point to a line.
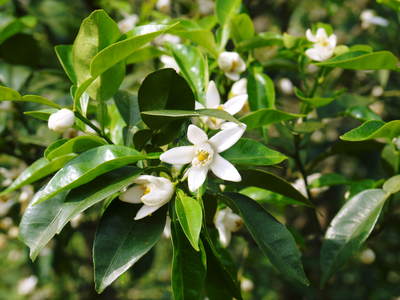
91	125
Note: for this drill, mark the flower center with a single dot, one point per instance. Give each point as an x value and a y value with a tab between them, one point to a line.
234	65
324	43
203	155
146	190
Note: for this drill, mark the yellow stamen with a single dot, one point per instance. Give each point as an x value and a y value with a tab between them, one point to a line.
220	107
146	190
202	156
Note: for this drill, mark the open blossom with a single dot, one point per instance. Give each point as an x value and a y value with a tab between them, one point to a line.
61	120
169	62
213	100
227	222
128	23
368	18
204	155
324	45
231	64
152	191
238	88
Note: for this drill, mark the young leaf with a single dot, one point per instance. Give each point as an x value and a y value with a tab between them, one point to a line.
202	37
88	166
392	185
188	266
266	116
251	152
372	130
121	241
242	28
64	55
226	9
7	94
41	222
349	229
314	101
190	215
43	114
274	239
261	90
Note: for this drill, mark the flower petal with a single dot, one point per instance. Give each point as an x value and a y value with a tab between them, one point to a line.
132	195
145	211
196	135
224	169
226	138
178	155
232	76
310	36
332	41
196	177
198	105
212	96
235	104
314	54
321	34
224	235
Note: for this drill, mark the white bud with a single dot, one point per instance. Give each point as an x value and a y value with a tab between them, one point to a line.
61	120
164	5
367	256
246	285
286	86
128	23
231	64
27	285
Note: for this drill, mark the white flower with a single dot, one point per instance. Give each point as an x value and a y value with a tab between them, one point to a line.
167	229
232	64
164	5
367	256
213	100
61	120
246	285
227	222
238	88
152	191
169	62
323	47
369	18
206	7
27	285
128	23
300	186
204	155
286	86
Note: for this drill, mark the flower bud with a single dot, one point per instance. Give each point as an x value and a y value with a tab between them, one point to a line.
61	120
164	6
232	64
367	256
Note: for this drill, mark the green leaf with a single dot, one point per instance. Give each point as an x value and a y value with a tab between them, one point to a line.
43	114
362	113
88	166
226	9
128	107
265	39
261	90
64	55
349	229
40	223
392	185
251	152
144	54
172	92
314	101
242	28
372	130
274	239
361	60
7	94
96	33
329	180
266	116
75	145
264	196
189	213
193	66
38	170
201	37
120	241
188	266
273	183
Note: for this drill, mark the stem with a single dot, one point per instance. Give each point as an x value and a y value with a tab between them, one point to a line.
94	127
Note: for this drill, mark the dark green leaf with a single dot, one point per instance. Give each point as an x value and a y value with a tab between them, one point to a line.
261	40
64	55
266	116
128	107
314	101
261	90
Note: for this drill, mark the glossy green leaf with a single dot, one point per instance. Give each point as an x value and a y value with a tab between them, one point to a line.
201	37
372	130
143	54
329	180
391	158
193	66
264	196
128	107
308	126
43	114
273	183
121	241
251	152
265	39
362	113
88	166
172	92
361	60
39	169
261	90
274	239
349	229
189	213
64	55
242	28
97	32
7	94
226	9
266	116
41	222
392	185
76	145
188	266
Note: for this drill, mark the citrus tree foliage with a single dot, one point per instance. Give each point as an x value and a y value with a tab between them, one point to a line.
204	146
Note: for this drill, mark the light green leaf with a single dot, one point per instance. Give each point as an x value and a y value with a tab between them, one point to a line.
349	229
189	213
314	101
273	238
242	28
7	94
265	39
392	185
251	152
120	241
266	116
226	9
64	55
143	54
201	37
372	130
43	114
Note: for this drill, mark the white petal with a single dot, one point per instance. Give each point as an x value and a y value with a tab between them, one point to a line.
212	96
232	76
145	211
196	177
226	138
241	65
198	105
132	195
332	41
235	104
224	236
238	88
224	169
196	135
321	34
314	54
178	155
161	191
310	36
